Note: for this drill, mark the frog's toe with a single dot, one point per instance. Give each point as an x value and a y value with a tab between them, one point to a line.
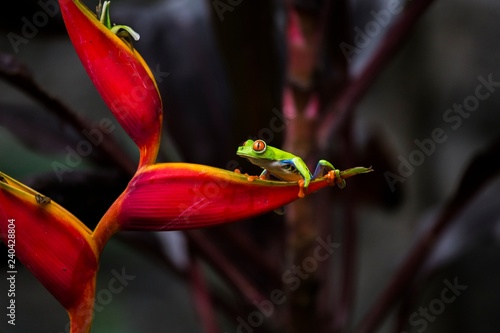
252	178
302	189
330	177
333	177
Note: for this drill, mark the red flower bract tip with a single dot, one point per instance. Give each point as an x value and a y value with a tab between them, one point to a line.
52	243
120	75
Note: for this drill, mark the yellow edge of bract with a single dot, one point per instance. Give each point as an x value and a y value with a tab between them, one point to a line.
28	194
93	19
223	173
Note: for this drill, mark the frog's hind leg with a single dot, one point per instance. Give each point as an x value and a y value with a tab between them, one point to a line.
326	168
322	168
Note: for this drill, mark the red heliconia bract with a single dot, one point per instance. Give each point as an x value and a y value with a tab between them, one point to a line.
53	244
120	75
176	196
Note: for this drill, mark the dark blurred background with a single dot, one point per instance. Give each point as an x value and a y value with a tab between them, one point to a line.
220	77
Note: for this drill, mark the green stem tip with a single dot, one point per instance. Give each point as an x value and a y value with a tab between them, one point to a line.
354	171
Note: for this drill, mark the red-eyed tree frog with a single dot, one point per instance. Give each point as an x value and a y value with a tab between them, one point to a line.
288	167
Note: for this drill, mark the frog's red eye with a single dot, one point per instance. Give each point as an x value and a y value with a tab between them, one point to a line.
259	146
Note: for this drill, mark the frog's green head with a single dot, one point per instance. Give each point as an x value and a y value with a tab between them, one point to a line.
253	149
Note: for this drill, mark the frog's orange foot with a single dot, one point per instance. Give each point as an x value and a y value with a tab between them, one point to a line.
302	190
333	177
251	178
330	177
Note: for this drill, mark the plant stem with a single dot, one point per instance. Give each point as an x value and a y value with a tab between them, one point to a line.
18	75
479	172
354	89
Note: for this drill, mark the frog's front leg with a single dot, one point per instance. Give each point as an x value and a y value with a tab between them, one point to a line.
264	175
302	169
326	168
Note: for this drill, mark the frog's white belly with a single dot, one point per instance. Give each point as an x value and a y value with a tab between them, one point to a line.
279	169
